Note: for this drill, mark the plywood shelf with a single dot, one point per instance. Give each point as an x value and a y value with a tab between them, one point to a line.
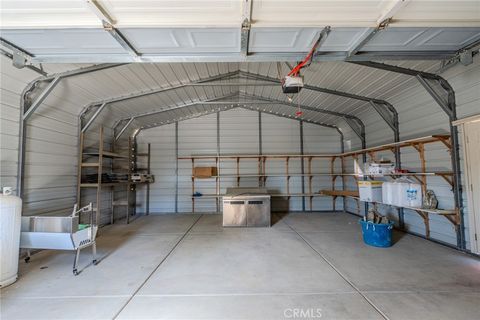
273	195
406	143
106	154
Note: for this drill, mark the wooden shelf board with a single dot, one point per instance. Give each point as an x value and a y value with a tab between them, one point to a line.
273	195
405	143
441	212
340	193
106	154
90	164
439	173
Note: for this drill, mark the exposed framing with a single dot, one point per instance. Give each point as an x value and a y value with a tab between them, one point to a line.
435	85
31	98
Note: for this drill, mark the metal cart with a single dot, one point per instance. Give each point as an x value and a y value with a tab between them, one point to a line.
60	233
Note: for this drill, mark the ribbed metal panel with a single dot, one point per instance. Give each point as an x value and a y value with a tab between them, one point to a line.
52	132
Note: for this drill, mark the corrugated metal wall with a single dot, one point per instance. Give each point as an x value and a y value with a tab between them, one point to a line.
419	115
51	145
13	81
239	133
52	136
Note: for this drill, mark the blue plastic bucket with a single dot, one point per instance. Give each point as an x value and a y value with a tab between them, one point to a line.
377	234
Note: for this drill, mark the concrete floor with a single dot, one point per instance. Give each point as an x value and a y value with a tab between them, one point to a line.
308	265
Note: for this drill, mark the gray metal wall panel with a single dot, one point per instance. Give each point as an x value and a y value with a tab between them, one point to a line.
317	139
419	115
239	134
163	159
196	137
13	81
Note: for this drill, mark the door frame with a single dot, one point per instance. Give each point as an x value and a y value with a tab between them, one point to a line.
473	215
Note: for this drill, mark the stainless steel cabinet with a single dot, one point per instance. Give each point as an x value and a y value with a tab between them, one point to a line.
244	207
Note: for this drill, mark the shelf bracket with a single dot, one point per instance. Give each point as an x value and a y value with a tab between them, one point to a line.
447	178
426	221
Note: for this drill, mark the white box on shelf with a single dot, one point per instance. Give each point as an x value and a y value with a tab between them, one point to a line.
402	193
387	192
370	191
380	168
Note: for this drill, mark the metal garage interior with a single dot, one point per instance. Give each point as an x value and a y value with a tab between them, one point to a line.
92	88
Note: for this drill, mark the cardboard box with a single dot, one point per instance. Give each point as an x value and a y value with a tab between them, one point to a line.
204	172
370	191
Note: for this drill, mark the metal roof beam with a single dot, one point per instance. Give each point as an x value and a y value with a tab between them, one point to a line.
238	57
206	102
382	22
192	116
160	90
355	123
94	116
310	108
40	98
109	25
314	88
287	117
124	128
102	103
28	66
21	58
463	56
392	119
246	26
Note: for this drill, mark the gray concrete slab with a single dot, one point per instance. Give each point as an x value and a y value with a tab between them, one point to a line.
428	306
244	262
61	308
154	224
125	263
320	221
262	307
217	273
213	223
410	264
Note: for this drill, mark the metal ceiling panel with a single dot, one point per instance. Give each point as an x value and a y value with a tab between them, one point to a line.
301	39
47	14
439	13
228	13
183	40
421	39
315	13
63	41
364	13
175	13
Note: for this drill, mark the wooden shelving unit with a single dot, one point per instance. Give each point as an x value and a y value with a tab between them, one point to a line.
418	144
99	164
261	174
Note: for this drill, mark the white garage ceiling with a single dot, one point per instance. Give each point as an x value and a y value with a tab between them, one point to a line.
160	31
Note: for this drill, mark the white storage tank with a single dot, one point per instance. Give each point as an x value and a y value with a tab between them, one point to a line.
10	223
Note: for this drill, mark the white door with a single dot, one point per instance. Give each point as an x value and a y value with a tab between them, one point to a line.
472	165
